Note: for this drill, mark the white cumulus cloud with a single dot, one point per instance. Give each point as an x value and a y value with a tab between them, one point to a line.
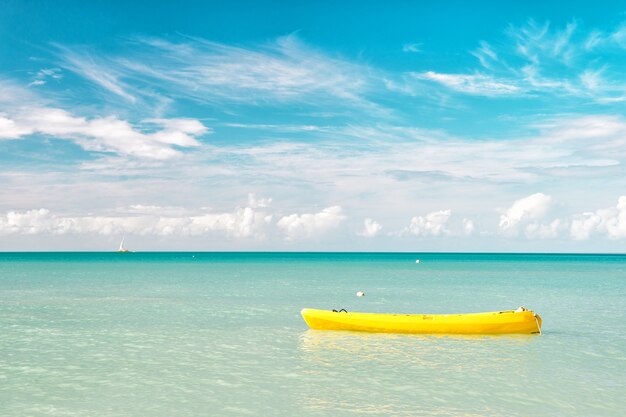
545	231
468	226
433	224
106	134
610	221
524	211
371	228
307	225
257	202
242	222
11	130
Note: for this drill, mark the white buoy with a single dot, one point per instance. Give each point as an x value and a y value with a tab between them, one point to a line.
417	261
360	293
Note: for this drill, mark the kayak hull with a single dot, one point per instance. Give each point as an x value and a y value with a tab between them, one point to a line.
499	322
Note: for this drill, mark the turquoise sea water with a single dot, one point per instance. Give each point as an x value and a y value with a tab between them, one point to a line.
219	334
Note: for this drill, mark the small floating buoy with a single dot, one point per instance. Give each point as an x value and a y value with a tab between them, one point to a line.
417	261
360	293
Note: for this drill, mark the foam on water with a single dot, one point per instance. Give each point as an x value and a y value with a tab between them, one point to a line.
220	334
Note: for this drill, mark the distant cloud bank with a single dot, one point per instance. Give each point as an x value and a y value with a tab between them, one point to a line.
528	217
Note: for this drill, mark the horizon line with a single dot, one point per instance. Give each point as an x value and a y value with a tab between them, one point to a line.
321	252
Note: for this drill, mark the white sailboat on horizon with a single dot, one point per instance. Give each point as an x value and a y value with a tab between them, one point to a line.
122	248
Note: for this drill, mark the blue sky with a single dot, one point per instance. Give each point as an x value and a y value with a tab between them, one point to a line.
269	126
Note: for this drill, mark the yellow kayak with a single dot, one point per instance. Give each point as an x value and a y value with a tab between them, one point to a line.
520	321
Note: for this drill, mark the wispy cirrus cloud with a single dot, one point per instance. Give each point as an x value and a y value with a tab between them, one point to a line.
485	54
539	42
285	70
408	154
539	58
477	84
95	68
412	47
44	75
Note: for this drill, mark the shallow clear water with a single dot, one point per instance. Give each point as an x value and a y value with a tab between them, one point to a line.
219	334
